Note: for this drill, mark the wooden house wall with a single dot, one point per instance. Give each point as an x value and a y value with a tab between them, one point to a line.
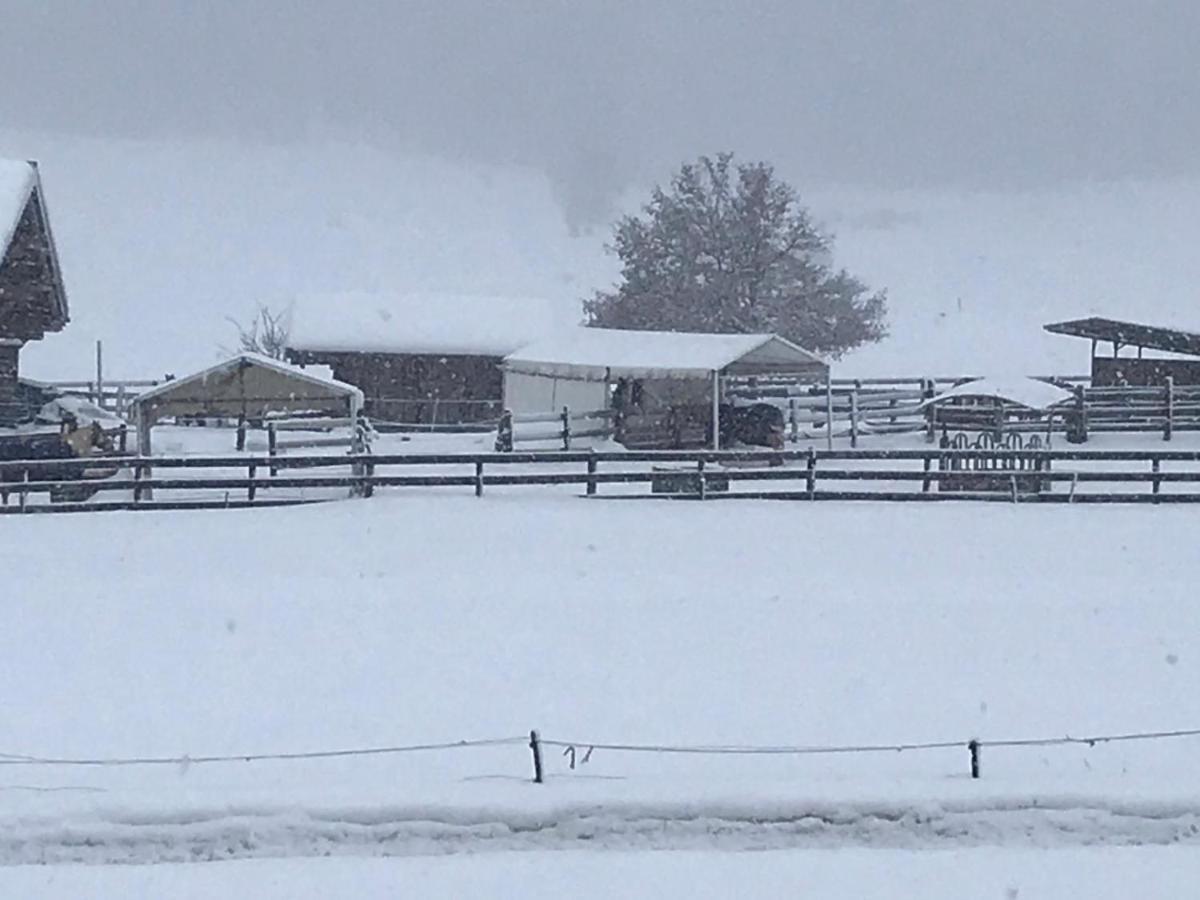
418	387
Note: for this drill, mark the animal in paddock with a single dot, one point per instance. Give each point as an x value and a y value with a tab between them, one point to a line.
44	449
758	425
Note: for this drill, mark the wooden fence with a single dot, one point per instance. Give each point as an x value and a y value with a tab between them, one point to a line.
571	425
1016	476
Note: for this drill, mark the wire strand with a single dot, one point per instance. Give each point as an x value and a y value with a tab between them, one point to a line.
16	760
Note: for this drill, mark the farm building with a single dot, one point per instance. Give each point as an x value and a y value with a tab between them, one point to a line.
1113	369
666	388
33	300
248	386
420	358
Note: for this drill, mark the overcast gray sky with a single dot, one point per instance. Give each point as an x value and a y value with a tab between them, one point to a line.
603	94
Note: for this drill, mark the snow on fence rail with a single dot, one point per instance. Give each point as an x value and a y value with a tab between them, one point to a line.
578	752
1008	475
507	433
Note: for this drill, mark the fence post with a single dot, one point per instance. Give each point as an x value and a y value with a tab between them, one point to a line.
241	433
1156	467
535	744
591	471
927	394
810	474
793	422
701	479
1077	426
250	491
973	746
504	432
121	400
1169	425
272	447
927	482
479	478
24	495
566	429
122	437
854	417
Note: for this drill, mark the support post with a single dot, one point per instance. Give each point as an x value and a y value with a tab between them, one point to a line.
828	411
591	472
250	491
273	446
793	423
241	433
716	410
1156	467
928	392
479	478
810	474
566	428
100	374
701	479
144	449
1169	424
973	747
535	745
927	482
854	418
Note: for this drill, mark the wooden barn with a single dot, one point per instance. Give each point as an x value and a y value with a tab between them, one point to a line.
1119	352
33	300
419	358
666	389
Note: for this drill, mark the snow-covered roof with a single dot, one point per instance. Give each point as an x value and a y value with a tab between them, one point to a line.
422	322
596	354
17	180
248	384
1027	392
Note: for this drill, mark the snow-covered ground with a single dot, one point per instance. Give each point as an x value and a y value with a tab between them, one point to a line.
417	618
1098	874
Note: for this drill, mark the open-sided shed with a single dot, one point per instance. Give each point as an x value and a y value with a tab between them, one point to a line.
248	386
1139	371
647	374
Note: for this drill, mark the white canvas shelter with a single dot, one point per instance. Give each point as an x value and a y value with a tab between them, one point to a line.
247	386
580	363
1028	392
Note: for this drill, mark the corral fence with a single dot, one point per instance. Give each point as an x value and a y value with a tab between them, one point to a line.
568	425
114	396
897	406
1007	474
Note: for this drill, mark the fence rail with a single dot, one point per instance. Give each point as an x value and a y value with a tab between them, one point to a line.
1007	475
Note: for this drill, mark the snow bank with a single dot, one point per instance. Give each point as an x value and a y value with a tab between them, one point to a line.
246	833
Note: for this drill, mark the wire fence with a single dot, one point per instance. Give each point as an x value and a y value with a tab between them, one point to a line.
581	751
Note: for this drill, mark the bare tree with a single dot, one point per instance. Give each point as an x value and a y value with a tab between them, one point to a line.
267	333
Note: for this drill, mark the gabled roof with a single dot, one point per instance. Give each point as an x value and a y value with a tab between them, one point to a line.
596	354
21	196
249	383
1132	334
421	323
17	181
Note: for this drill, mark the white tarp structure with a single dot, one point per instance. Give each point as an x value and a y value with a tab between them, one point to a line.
247	386
1028	392
575	366
421	323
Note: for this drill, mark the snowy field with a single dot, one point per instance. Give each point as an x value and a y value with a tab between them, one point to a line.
818	875
414	619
